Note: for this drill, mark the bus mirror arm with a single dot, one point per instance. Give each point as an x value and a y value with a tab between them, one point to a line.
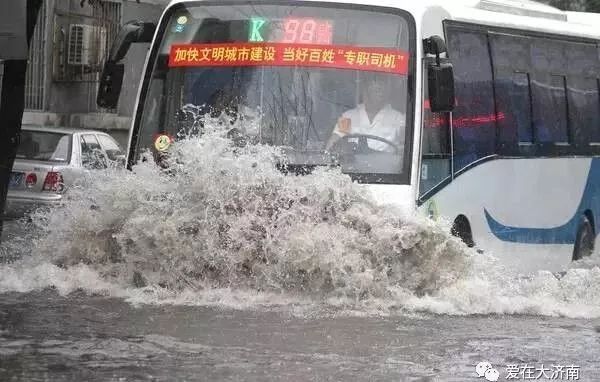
435	45
440	77
131	32
111	80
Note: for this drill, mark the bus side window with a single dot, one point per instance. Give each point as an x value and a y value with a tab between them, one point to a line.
584	109
435	149
512	87
583	92
473	118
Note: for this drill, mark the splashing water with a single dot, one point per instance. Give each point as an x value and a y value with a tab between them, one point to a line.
224	226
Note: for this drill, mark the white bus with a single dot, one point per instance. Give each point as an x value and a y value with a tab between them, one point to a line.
485	113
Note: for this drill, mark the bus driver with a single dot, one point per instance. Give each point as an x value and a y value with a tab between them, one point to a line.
375	116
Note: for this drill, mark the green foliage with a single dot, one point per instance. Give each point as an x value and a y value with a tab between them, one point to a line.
592	6
575	5
567	5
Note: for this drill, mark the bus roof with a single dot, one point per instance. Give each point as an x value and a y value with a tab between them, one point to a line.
516	14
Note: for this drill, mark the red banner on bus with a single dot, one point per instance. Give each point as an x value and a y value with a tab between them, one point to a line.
278	54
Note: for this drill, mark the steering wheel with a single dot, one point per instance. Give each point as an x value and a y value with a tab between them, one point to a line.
363	146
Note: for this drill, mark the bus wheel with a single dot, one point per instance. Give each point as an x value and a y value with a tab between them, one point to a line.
584	240
462	229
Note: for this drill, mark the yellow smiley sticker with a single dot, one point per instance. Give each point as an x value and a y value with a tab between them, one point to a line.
162	143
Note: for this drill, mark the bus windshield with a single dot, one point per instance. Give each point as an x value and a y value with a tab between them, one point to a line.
323	83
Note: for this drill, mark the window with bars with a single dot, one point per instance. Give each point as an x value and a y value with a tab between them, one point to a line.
82	42
35	85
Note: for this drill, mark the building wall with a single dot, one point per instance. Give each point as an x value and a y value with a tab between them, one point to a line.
62	94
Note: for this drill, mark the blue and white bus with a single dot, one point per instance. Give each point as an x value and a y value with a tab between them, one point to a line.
492	114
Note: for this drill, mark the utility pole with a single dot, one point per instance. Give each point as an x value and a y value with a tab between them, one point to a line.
12	98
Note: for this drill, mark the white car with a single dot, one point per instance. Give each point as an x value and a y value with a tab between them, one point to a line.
49	158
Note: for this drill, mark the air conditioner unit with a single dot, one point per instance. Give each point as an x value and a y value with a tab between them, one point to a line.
87	45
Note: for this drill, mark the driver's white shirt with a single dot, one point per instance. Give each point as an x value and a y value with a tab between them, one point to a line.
388	124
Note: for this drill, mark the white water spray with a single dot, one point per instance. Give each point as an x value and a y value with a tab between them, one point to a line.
223	226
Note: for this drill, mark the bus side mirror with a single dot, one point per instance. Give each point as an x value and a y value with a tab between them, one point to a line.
113	71
440	76
441	87
434	45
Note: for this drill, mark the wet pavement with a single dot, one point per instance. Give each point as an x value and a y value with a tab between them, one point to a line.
46	337
229	270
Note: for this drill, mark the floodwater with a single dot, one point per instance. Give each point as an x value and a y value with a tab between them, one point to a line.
46	337
223	268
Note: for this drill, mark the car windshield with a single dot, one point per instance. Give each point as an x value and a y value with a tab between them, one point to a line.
323	83
44	146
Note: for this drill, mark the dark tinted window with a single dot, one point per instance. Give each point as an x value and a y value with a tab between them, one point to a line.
546	94
474	115
511	60
584	109
550	109
582	87
521	93
513	102
549	64
582	59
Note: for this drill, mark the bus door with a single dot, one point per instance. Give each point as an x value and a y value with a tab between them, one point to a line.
436	144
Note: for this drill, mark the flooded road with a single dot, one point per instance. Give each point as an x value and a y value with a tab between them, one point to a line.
225	269
45	337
